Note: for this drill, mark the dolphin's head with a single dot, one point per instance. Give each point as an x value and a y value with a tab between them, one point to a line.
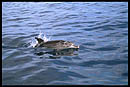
39	40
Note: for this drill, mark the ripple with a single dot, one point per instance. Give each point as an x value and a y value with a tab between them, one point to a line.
89	44
75	74
43	12
66	34
59	62
33	25
105	62
18	19
11	26
106	48
68	23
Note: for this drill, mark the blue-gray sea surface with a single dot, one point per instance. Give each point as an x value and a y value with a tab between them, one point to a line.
100	28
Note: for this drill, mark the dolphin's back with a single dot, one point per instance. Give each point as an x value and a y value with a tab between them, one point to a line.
57	44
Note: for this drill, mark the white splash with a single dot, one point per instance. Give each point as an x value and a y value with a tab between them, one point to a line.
35	42
45	38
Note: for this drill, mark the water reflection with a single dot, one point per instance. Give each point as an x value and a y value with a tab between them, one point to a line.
58	53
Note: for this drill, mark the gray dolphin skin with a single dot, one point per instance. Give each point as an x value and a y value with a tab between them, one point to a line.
55	44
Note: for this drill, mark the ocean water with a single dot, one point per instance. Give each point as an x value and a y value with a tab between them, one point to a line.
100	28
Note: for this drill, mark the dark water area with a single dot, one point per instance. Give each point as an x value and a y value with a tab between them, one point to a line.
100	28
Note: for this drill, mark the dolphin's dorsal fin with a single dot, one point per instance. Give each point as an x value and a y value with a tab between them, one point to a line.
39	40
